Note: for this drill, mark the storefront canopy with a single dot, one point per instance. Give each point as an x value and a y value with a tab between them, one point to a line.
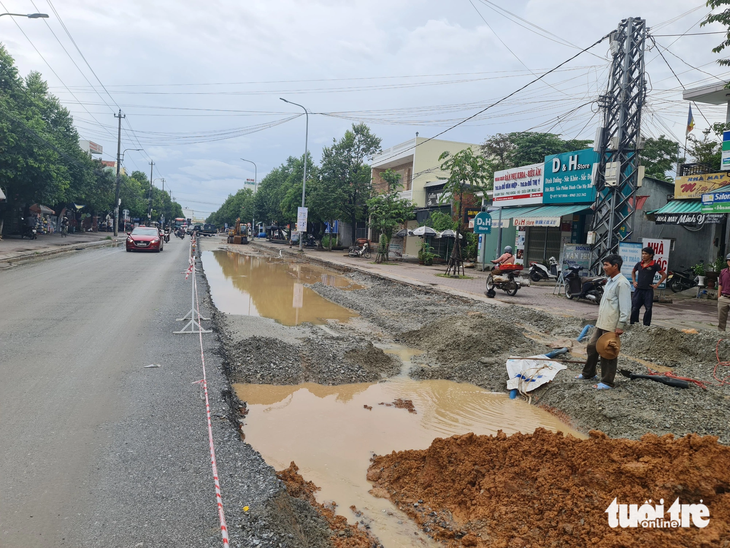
548	215
41	209
685	212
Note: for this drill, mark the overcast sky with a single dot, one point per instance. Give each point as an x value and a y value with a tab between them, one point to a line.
200	82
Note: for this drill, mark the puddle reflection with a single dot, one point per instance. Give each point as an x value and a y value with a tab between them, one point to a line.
331	436
257	286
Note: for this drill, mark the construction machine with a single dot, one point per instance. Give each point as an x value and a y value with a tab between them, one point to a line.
238	234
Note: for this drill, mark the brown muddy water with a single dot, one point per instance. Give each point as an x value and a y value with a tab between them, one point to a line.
331	433
272	288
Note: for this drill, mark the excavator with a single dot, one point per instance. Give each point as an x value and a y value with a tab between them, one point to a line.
238	234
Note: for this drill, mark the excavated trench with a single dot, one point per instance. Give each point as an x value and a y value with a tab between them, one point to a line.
331	371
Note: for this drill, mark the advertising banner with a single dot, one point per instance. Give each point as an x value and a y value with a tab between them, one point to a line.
576	255
568	177
520	237
716	202
692	187
631	254
518	186
661	255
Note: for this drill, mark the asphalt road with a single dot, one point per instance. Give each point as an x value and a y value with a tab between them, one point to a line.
96	449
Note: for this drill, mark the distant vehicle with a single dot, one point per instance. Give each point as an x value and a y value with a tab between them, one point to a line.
209	230
179	222
144	238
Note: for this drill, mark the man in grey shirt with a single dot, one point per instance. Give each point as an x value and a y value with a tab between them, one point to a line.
612	317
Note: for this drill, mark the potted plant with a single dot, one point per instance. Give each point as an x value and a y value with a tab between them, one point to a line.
425	254
700	272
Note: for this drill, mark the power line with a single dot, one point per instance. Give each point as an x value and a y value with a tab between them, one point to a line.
502	99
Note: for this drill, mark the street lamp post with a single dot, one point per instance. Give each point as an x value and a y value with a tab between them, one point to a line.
255	187
304	181
28	15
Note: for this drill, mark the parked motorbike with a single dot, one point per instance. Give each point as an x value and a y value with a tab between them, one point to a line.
589	288
26	231
361	250
507	280
309	241
679	280
539	271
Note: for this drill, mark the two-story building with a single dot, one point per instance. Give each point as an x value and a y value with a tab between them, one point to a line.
417	161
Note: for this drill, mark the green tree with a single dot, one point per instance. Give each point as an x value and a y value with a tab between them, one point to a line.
722	17
346	176
660	156
468	174
387	210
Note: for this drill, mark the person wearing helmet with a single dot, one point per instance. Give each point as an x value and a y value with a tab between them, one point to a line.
507	258
723	295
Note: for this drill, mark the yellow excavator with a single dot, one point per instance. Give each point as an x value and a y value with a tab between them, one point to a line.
238	234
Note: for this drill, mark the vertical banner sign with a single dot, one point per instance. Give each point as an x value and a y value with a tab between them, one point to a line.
302	219
661	255
725	160
631	254
520	247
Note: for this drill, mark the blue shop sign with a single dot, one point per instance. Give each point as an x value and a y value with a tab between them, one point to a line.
568	177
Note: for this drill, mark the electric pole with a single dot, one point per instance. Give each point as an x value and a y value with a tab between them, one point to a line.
149	199
618	174
119	161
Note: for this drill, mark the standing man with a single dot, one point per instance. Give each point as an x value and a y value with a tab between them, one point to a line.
723	295
612	315
642	276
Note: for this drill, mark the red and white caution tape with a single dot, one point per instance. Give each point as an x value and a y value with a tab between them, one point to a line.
204	382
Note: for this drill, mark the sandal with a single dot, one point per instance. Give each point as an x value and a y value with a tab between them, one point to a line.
582	378
602	386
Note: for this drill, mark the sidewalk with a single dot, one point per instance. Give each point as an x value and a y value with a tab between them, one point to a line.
14	250
685	312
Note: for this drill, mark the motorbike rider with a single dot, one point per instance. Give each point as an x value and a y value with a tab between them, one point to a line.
505	258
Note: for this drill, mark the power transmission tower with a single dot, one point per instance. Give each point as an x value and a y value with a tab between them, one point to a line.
617	177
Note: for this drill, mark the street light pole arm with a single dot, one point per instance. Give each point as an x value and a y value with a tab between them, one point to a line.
28	15
306	144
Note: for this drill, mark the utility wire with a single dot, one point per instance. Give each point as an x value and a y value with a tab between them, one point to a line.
500	100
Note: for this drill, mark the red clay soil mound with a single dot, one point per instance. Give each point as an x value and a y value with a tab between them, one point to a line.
344	535
545	489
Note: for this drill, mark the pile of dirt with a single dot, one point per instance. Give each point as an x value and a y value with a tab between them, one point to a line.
453	340
373	359
343	535
672	347
545	489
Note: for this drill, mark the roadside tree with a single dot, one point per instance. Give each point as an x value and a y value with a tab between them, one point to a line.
387	211
468	174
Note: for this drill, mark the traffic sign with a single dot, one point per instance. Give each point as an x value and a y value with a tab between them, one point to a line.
483	223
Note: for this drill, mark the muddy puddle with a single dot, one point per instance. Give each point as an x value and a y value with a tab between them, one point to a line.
331	432
272	288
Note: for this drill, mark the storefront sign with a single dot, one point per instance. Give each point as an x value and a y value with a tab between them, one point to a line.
536	221
661	255
569	177
483	223
695	219
716	202
518	186
694	186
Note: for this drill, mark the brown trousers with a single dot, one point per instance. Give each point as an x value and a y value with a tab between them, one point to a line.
723	305
608	367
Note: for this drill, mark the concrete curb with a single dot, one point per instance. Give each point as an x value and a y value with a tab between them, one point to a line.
14	259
